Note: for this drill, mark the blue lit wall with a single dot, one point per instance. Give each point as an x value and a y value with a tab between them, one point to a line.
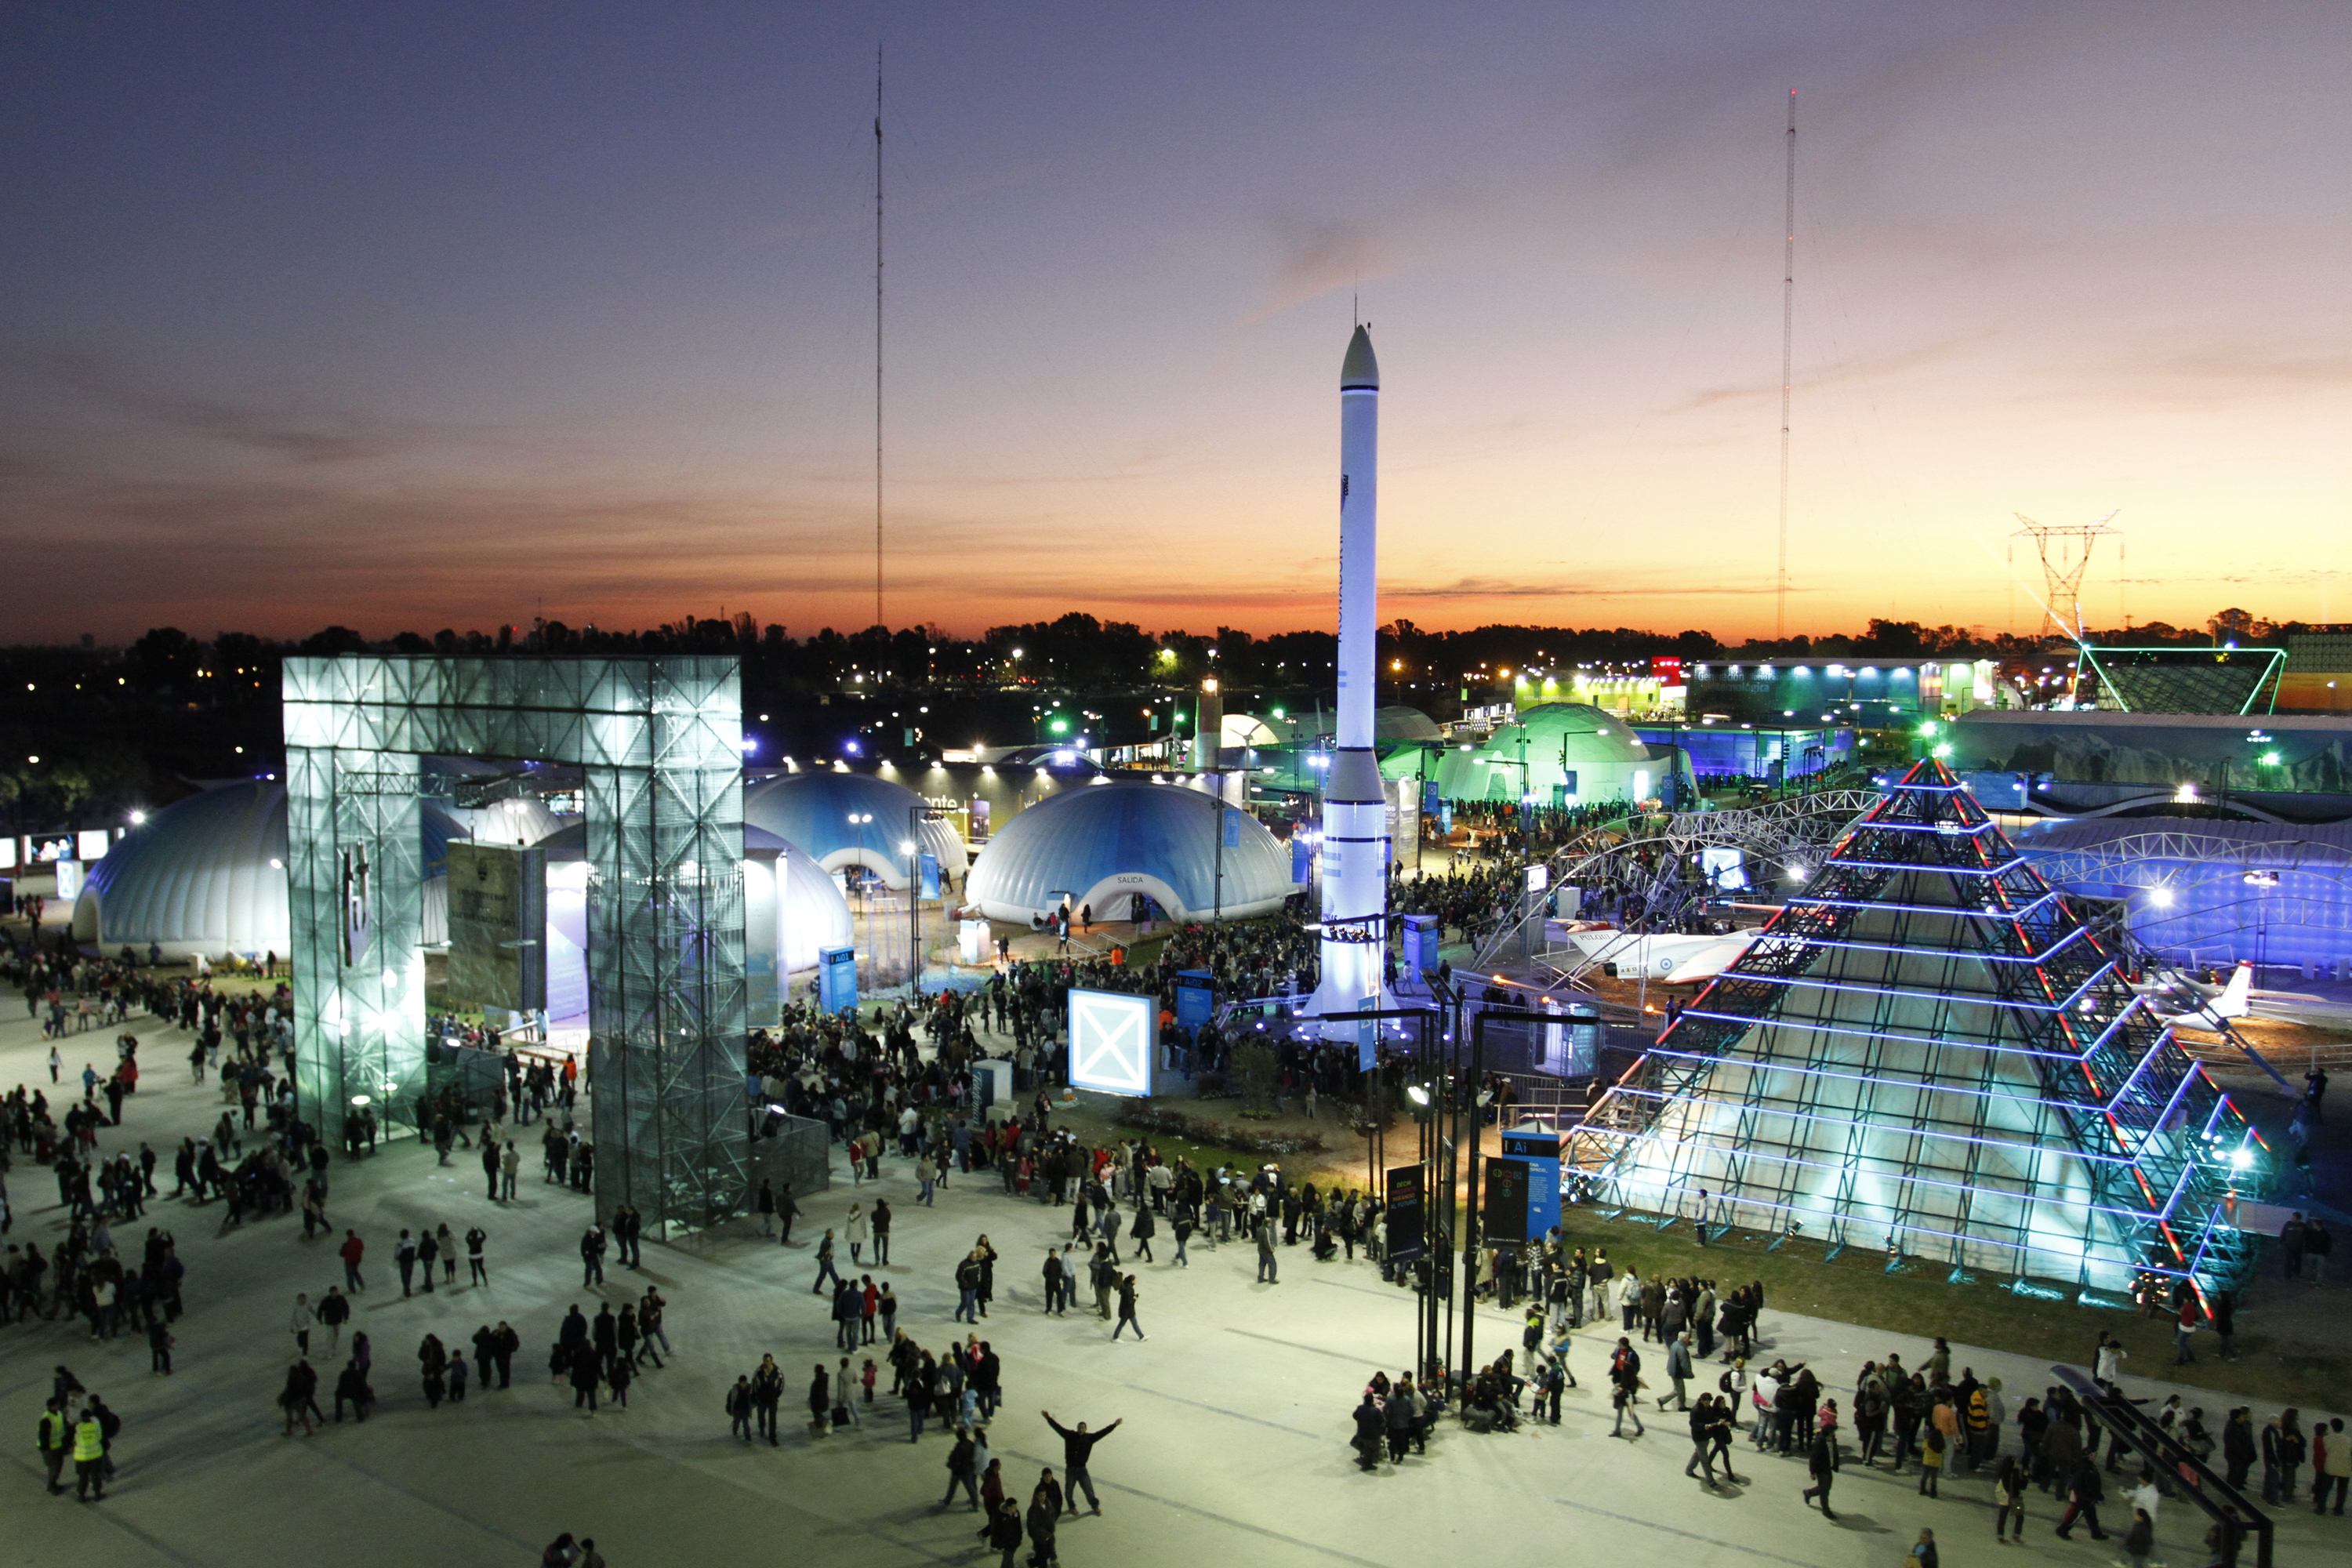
1875	695
1757	754
2201	910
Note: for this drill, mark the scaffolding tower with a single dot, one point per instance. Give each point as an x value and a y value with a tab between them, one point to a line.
1929	1053
659	742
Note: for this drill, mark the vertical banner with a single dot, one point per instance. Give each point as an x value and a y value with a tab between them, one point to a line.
359	919
929	864
1368	1034
1503	1207
1407	1214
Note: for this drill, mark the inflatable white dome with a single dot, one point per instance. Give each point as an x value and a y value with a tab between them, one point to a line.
1101	844
204	874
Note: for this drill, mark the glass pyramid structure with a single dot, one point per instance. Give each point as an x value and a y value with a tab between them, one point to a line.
1929	1053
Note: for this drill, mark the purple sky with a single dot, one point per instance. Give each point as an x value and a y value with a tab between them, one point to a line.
445	315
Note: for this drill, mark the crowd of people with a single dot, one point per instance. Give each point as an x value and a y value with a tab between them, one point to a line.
895	1085
1933	1421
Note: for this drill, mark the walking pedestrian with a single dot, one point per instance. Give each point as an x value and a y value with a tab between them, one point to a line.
825	1268
1045	1518
2009	1499
2084	1492
1702	1434
1126	1317
1625	1382
1822	1460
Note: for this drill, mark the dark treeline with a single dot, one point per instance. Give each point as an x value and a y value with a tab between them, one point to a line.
119	729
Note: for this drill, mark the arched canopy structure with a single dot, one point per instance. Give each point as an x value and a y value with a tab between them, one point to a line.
824	813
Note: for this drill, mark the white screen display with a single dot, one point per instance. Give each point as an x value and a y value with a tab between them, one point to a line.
1114	1038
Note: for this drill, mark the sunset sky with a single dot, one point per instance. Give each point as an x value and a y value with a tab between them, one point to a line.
413	316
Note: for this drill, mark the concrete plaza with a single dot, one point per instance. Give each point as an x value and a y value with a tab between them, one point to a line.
1235	1411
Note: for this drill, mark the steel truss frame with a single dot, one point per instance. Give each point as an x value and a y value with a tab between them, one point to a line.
659	742
1929	1051
1655	854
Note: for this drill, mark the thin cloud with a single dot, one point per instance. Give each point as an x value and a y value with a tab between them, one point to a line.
316	438
1502	588
1757	393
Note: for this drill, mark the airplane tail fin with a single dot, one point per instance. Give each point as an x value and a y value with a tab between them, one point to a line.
2235	999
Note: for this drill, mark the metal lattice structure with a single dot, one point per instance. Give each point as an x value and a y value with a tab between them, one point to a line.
2180	679
660	743
2200	895
1653	859
1928	1052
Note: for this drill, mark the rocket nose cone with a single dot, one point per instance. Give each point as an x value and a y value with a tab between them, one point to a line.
1360	369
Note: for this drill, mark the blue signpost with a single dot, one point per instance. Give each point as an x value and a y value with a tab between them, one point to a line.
1196	1000
837	979
1540	1150
1420	939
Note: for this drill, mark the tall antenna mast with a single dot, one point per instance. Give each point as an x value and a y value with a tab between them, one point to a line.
1788	351
877	335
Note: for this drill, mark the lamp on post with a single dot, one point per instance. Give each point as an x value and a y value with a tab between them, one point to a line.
859	820
913	850
1474	1090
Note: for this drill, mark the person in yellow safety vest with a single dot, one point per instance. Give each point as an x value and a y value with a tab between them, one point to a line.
56	1436
90	1457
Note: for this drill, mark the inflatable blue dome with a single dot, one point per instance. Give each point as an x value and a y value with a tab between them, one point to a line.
1100	843
204	874
814	811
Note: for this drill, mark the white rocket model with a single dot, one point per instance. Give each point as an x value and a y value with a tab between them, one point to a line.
1355	811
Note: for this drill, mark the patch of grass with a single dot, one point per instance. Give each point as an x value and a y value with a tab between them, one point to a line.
1918	1304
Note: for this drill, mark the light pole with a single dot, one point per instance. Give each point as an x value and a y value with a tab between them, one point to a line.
859	821
913	848
1217	804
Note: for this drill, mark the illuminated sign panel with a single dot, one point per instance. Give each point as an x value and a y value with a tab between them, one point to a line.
1114	1038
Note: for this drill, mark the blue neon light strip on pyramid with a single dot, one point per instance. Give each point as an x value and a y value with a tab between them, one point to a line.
1928	1052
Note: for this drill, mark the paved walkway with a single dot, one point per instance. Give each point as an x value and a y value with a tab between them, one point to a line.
1236	1410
